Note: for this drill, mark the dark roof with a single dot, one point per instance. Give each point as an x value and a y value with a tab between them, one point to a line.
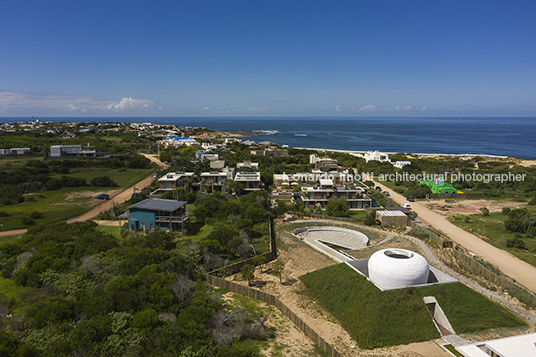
159	204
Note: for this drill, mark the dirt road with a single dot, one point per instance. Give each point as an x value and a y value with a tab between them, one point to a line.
120	196
523	273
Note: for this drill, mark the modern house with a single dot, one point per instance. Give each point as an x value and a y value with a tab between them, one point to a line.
14	151
176	141
65	151
401	164
376	156
324	193
173	180
214	181
169	215
253	165
251	181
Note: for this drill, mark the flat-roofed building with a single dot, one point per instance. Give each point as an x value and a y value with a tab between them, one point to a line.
58	151
169	215
514	346
392	218
251	181
321	195
173	180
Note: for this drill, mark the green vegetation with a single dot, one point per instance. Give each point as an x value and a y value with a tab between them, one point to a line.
338	208
495	227
380	319
73	289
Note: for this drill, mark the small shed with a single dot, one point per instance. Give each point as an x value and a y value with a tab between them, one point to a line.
391	218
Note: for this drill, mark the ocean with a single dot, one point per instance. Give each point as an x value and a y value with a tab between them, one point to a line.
514	137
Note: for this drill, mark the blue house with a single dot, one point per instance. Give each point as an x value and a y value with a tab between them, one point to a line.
169	215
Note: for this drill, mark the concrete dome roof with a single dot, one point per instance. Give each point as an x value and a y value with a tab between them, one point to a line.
397	268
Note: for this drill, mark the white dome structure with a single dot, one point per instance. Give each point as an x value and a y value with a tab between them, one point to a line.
397	268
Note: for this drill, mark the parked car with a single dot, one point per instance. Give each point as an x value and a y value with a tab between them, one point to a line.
378	188
410	199
102	196
406	205
386	193
147	189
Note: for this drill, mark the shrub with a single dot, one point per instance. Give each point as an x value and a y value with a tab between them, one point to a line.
485	211
27	221
505	210
516	243
532	202
36	215
103	181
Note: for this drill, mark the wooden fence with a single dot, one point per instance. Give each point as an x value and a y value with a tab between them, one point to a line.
515	289
215	278
455	195
469	263
321	216
443	242
274	301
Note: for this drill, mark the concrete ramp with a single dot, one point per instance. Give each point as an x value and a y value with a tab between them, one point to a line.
440	319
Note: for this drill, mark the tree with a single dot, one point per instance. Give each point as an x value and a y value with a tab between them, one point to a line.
338	208
235	187
248	272
260	261
370	219
277	269
485	211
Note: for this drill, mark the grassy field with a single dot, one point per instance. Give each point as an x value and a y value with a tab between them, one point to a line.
492	227
380	319
68	202
113	230
123	177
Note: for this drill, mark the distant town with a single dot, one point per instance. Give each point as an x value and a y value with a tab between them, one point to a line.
148	239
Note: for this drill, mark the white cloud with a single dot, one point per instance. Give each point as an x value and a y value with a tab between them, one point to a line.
128	103
338	108
255	109
206	108
369	108
406	108
48	103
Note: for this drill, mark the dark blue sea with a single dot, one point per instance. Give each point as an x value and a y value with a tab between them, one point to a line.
515	137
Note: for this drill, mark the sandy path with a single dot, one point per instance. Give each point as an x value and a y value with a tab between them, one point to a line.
523	273
120	197
117	196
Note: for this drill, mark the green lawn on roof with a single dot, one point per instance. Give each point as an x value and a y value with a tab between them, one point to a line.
380	319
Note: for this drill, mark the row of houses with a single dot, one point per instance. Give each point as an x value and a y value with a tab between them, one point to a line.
215	181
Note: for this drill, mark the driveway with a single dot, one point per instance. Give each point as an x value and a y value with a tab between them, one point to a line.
523	273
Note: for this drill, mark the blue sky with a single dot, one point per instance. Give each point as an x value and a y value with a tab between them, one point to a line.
264	58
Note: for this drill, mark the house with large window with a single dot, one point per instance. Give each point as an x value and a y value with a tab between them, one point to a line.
173	180
321	194
169	215
251	181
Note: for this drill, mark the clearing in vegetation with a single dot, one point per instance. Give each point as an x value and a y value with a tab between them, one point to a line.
381	319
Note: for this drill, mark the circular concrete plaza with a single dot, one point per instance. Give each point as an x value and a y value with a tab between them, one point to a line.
342	237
